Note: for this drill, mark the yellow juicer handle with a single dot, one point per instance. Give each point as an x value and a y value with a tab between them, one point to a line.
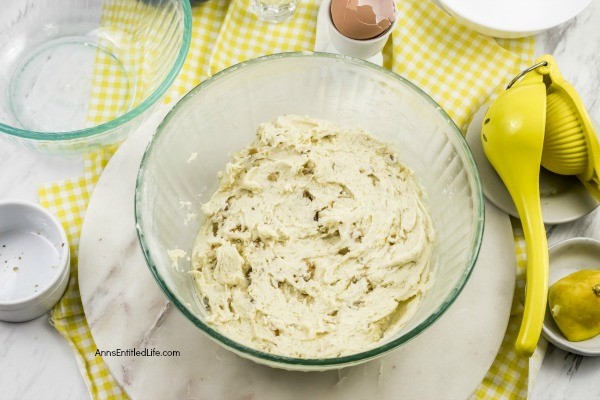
525	192
526	196
517	158
536	289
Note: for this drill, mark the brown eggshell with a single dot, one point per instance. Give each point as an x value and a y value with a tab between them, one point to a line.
357	22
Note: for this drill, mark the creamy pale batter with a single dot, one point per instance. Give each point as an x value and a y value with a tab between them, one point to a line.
316	244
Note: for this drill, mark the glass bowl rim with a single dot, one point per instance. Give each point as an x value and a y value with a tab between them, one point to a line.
314	362
129	115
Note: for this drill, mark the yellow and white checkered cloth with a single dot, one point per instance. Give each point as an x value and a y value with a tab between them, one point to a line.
459	68
244	37
68	200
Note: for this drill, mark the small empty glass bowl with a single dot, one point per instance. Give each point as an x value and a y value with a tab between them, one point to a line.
179	172
78	74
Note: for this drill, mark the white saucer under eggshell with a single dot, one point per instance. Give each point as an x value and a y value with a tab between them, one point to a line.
563	198
566	257
126	309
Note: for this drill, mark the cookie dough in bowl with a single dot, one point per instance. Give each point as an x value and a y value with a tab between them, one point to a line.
316	244
358	242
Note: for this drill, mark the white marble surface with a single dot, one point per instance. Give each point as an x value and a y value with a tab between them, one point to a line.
126	309
35	363
576	47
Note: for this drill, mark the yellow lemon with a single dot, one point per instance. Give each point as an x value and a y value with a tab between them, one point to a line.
575	305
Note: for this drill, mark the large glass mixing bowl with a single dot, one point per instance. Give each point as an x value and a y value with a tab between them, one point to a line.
179	172
76	74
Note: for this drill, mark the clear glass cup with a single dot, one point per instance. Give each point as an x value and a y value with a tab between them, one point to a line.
273	10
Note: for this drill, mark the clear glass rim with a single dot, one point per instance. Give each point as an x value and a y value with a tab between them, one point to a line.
129	115
315	362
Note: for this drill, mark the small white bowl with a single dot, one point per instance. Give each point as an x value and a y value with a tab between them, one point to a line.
565	258
513	18
34	261
357	48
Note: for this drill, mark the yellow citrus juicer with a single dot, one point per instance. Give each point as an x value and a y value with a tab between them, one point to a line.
513	137
539	120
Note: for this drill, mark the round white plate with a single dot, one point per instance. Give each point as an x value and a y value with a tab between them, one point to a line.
513	18
563	198
566	257
126	309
